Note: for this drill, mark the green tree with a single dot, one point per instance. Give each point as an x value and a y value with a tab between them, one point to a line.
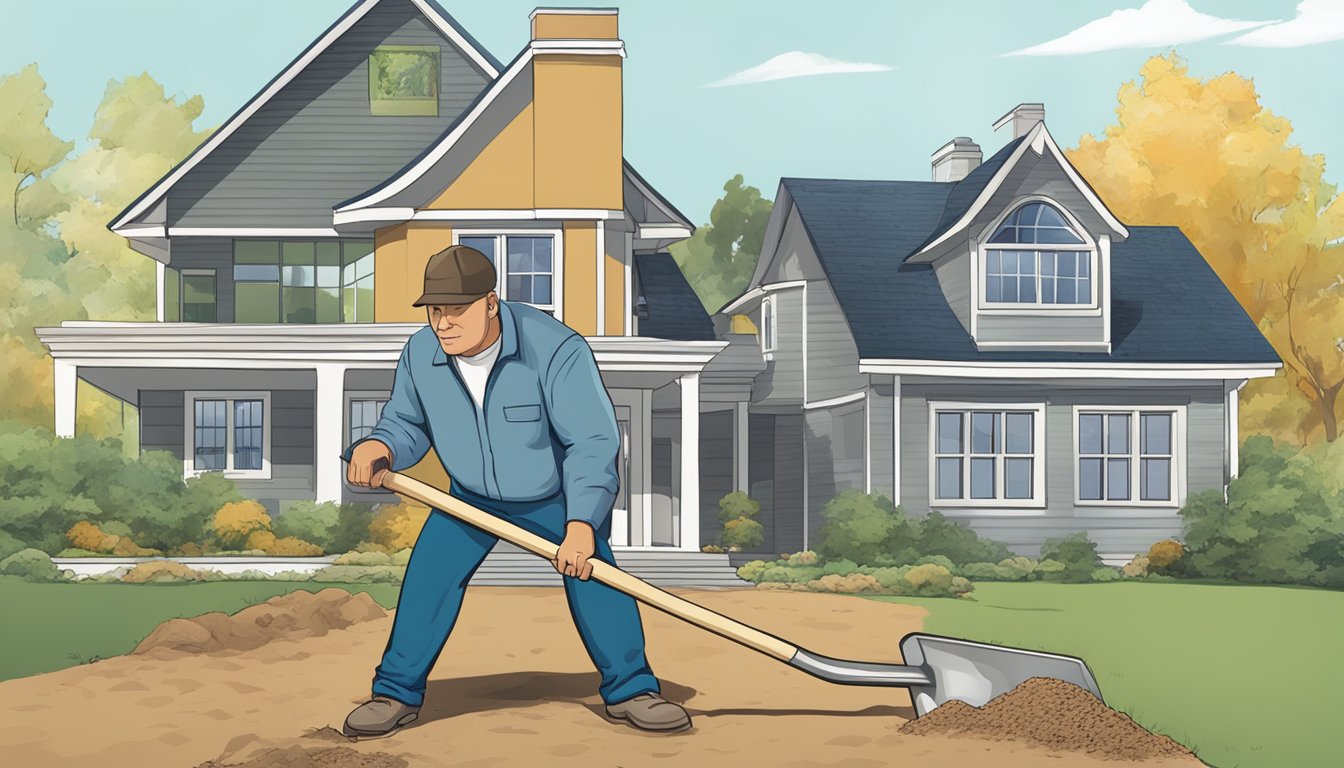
719	259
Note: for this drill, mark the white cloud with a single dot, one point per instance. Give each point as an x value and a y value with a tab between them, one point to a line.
1317	21
796	64
1158	23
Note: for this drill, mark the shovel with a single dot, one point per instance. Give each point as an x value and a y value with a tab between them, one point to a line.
936	669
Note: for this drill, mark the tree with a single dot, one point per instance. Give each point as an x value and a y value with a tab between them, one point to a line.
1205	155
719	259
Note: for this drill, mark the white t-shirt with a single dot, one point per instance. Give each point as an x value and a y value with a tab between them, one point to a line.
476	369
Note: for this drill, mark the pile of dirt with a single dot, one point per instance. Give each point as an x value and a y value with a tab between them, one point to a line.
296	614
1049	713
300	757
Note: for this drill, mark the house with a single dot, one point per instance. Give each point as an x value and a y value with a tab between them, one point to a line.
291	244
993	344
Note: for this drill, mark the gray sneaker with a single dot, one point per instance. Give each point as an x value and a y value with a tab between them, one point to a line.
650	712
379	716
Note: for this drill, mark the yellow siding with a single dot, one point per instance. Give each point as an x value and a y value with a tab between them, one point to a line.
399	269
615	283
500	176
580	276
578	131
574	26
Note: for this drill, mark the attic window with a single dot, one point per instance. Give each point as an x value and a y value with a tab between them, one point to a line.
404	80
1037	257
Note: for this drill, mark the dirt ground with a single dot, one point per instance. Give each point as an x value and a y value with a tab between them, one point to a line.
512	687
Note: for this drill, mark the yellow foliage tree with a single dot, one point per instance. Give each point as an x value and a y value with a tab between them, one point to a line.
1206	156
236	521
397	526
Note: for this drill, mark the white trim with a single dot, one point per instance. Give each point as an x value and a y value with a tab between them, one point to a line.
401	214
867	443
65	380
1234	431
1177	481
896	440
688	536
758	291
1051	370
628	172
557	235
1104	268
1002	174
578	46
252	232
189	398
834	401
571	12
661	231
627	263
159	280
804	344
769	331
328	432
1037	308
1096	346
130	232
295	67
1038	499
601	279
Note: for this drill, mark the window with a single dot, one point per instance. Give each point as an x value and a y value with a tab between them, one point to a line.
1128	455
987	455
364	415
229	433
328	281
769	342
404	80
1017	271
526	265
198	296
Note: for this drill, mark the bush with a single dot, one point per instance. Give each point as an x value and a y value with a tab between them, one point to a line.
159	571
234	522
806	557
289	546
356	574
9	545
352	526
1106	573
364	559
397	526
839	567
743	534
86	535
31	565
1076	553
751	571
1136	568
737	505
860	526
929	579
1165	554
311	521
958	543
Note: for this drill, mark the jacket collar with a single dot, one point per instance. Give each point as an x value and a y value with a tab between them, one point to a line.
508	330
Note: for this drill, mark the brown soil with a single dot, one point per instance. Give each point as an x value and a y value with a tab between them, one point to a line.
1053	714
513	686
297	614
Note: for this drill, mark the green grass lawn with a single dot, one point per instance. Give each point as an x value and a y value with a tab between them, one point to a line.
45	627
1248	677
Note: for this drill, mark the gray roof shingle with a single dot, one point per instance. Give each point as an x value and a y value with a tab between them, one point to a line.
674	310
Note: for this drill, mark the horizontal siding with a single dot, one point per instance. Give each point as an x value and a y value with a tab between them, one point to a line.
761	476
1038	328
881	414
716	470
954	277
208	253
782	379
832	357
315	143
161	415
1039	175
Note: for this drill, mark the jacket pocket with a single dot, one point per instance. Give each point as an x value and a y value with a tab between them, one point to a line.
522	413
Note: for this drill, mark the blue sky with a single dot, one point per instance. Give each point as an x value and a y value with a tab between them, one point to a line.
930	71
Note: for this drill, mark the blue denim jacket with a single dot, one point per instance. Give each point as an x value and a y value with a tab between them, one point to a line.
547	424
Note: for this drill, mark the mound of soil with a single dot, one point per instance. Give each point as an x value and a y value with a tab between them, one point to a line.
329	757
1049	713
296	614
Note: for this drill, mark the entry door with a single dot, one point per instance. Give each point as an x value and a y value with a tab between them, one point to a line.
620	513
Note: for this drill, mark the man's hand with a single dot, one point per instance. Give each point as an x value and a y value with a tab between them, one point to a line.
360	471
572	557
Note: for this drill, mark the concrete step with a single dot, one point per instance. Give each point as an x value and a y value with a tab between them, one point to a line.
510	566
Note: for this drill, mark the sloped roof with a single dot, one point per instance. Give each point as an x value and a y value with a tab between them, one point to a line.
1167	303
674	310
964	193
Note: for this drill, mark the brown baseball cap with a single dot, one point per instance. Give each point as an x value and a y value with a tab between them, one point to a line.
459	274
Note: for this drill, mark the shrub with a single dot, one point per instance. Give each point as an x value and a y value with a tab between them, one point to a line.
713	549
839	567
397	526
737	505
849	584
929	579
936	560
1136	568
958	543
283	547
31	565
1049	570
364	559
77	552
860	526
352	526
743	533
189	549
806	557
1165	553
892	579
236	521
751	571
1106	573
9	545
86	535
1076	553
355	574
311	521
157	571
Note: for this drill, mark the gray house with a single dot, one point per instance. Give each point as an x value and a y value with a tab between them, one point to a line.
993	344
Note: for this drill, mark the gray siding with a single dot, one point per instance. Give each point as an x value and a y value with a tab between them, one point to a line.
716	470
1116	529
161	416
880	416
832	357
1037	328
1039	175
315	143
835	462
209	253
954	277
776	478
782	380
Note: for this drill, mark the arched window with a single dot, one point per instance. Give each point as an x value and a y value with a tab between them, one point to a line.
1018	271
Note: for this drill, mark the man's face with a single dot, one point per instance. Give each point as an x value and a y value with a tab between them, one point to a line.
462	328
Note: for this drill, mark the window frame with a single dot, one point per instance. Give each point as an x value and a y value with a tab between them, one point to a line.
189	432
280	285
347	424
556	307
415	106
1038	500
982	247
182	275
1178	479
769	331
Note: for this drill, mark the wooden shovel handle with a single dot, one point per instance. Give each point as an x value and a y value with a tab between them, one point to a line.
604	572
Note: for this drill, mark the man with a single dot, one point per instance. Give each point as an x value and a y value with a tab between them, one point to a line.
511	401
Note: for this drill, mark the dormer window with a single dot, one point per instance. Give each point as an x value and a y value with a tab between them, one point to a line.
1018	271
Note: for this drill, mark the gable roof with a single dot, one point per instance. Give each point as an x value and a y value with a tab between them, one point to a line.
444	23
965	192
862	231
674	310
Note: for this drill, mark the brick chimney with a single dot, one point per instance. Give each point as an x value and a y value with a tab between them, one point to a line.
955	159
1023	117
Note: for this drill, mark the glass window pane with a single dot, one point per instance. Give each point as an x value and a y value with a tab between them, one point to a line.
1084	290
329	277
247	434
1089	479
1155	480
520	254
1030	216
210	434
1068	264
256	252
256	273
348	304
364	300
172	301
1117	433
364	267
994	263
520	288
256	303
1017	478
1051	218
1047	290
297	276
1066	291
485	245
982	478
984	432
1017	433
994	289
1048	260
1117	479
328	305
1156	433
949	478
541	289
1009	289
300	305
541	254
949	433
298	254
1026	289
1089	433
329	253
354	250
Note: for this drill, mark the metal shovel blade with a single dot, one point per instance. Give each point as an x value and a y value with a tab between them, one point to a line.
977	672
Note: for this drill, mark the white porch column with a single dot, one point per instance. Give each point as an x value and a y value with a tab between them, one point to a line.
896	440
1233	429
689	538
328	424
158	289
741	443
66	380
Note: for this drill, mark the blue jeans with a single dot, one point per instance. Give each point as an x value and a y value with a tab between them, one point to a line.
445	556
